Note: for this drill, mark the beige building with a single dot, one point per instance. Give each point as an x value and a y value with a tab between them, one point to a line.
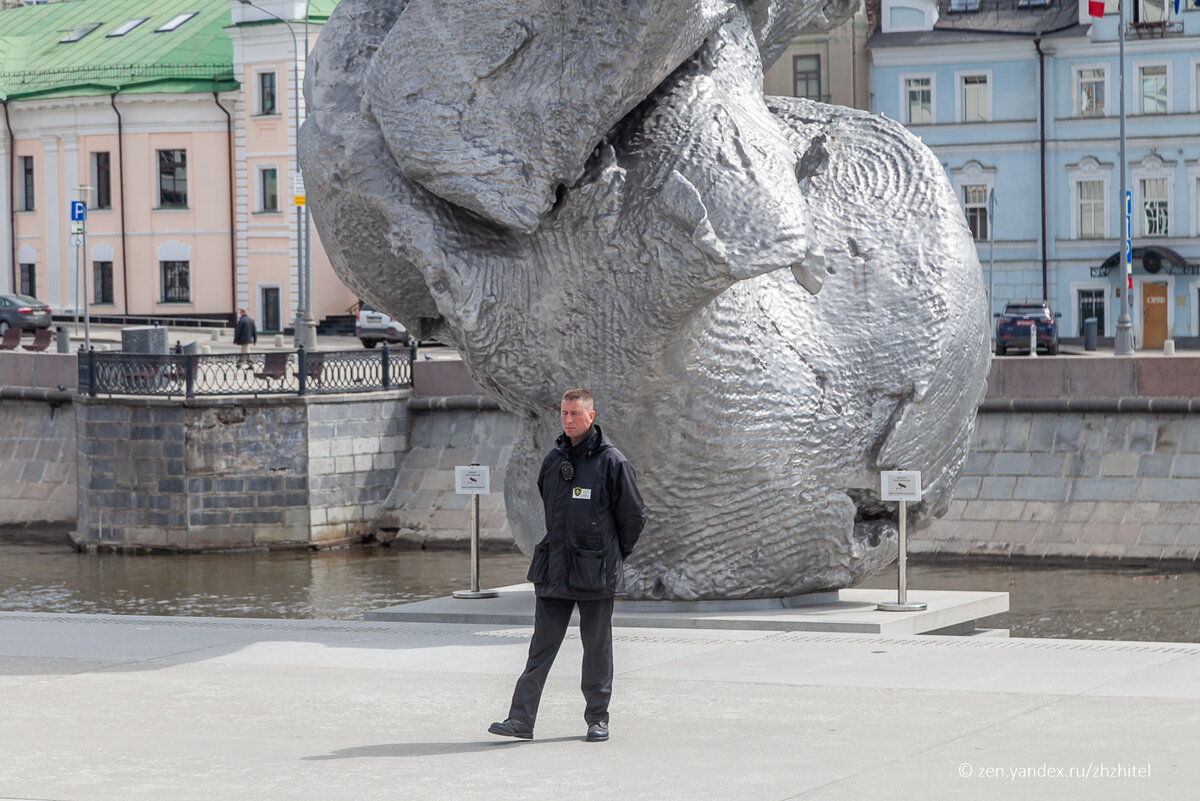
181	116
830	67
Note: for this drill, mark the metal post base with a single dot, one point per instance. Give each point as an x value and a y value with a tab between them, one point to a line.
473	594
907	606
305	328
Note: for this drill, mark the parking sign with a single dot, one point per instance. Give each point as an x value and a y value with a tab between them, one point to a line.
78	211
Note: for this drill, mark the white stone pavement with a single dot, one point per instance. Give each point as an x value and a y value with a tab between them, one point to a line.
100	708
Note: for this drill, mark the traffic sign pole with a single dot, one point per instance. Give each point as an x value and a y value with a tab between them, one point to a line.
79	215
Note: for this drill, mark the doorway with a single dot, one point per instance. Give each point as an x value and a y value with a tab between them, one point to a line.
1154	314
270	310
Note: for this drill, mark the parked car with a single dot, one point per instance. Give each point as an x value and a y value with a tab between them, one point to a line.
375	326
1014	323
22	311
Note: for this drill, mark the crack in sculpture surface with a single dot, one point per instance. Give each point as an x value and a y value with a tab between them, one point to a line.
597	194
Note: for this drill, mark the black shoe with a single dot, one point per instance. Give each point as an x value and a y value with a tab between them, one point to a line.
512	728
597	732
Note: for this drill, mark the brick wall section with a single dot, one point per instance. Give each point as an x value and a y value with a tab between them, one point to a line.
423	508
353	451
234	473
1111	486
37	462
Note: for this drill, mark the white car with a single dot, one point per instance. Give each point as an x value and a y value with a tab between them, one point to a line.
374	326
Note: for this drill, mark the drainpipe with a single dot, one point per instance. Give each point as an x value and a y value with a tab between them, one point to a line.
112	99
1037	43
12	201
232	228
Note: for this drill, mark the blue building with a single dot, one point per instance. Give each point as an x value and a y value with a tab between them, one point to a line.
1019	99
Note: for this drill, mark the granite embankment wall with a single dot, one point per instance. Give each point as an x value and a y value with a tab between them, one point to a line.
1093	459
37	438
1073	459
234	473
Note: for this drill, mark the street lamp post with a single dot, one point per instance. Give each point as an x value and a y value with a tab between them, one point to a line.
1123	341
304	325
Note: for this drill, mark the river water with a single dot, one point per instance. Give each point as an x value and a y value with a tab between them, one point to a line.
42	573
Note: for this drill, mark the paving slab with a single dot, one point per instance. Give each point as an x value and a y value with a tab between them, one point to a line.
123	708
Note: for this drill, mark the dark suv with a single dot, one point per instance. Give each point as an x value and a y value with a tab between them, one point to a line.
1014	323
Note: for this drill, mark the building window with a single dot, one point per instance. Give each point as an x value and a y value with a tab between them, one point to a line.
975	205
175	22
172	178
268	189
28	280
806	77
975	98
1154	207
1091	304
266	93
103	290
78	32
25	170
1153	80
1149	12
919	100
126	27
1091	82
102	180
1091	209
176	284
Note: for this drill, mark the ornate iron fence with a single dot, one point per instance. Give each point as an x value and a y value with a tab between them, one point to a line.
295	372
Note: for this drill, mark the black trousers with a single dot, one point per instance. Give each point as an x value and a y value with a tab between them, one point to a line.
550	621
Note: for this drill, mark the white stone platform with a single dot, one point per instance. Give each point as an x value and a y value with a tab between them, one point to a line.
850	611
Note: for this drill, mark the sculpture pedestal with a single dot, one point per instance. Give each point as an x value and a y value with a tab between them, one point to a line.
852	611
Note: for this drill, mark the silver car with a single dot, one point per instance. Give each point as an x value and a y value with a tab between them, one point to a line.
22	311
374	326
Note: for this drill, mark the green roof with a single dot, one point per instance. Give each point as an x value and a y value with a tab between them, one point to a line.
197	56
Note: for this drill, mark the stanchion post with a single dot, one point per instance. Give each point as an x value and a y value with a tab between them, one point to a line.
901	486
473	480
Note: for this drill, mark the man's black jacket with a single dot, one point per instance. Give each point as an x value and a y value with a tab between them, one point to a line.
593	520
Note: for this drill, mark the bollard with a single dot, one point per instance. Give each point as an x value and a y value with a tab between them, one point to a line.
214	335
62	340
1033	340
1169	347
279	340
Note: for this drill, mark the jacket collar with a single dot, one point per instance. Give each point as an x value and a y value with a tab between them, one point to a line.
594	442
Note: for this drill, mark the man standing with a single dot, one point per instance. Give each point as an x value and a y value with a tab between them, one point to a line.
594	516
245	333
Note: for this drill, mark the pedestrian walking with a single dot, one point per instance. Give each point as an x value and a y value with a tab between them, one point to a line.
245	333
594	516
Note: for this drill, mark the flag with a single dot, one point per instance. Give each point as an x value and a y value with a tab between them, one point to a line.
1096	8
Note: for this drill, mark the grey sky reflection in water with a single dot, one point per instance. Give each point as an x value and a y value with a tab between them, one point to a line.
41	573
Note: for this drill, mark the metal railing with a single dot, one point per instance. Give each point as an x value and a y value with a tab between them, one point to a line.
295	372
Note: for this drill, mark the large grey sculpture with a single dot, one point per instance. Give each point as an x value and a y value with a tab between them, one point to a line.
596	193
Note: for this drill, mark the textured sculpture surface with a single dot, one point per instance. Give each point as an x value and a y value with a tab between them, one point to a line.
596	193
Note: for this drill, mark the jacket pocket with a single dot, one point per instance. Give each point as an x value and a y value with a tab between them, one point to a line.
587	569
539	567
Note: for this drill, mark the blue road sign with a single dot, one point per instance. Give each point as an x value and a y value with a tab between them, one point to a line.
1128	227
78	211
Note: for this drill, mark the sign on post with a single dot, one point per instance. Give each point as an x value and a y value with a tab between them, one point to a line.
78	211
902	486
473	480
